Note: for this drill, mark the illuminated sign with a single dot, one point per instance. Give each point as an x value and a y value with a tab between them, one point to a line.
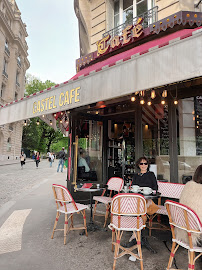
129	34
52	102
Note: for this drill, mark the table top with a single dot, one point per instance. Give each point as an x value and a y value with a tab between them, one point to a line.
147	197
89	189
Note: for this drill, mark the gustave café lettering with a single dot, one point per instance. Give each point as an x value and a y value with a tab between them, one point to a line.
52	102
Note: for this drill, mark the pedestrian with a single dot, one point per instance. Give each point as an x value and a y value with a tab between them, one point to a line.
61	157
22	159
51	159
37	159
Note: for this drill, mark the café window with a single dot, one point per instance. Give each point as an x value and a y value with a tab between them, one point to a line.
156	139
126	10
5	66
89	134
190	137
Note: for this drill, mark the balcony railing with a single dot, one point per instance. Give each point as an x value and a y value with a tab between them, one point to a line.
7	50
5	74
149	17
19	63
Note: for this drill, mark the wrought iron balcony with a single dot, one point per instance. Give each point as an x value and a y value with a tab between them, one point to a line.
5	74
17	83
7	50
149	17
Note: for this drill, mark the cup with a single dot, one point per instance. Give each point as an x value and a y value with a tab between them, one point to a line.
146	190
125	188
135	188
98	185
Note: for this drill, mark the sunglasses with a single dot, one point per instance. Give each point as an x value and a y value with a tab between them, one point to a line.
142	163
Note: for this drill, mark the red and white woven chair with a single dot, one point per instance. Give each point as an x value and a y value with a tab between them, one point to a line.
114	184
128	213
183	218
66	205
168	190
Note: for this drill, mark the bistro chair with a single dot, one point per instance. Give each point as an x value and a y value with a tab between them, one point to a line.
168	190
114	184
127	214
181	217
66	205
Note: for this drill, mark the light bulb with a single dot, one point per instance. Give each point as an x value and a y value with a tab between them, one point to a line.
132	98
153	94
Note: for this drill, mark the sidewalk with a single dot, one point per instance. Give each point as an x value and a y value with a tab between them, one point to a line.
39	252
15	161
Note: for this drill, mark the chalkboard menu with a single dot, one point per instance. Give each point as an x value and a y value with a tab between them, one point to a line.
164	133
198	124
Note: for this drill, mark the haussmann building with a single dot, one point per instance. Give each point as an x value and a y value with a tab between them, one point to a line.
137	91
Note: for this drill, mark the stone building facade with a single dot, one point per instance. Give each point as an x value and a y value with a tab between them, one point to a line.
99	16
13	66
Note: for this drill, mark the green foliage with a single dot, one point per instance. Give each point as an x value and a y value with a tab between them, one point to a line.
40	137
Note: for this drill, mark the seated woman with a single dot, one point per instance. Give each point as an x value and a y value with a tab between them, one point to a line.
144	178
192	197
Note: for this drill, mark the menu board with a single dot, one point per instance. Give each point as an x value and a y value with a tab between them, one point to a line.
164	133
198	124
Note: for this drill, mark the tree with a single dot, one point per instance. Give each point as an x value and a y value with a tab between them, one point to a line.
37	135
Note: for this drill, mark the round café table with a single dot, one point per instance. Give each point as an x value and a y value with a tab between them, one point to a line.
91	226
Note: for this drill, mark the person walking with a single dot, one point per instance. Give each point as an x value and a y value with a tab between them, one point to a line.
51	159
61	157
37	159
22	159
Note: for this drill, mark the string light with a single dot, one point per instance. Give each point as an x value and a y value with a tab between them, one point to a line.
142	101
164	94
25	122
37	122
163	101
133	98
60	121
175	101
149	103
51	122
61	113
55	114
43	115
153	94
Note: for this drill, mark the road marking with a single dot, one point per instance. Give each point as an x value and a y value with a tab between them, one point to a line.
11	231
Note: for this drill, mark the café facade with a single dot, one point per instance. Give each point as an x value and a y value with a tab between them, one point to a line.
139	93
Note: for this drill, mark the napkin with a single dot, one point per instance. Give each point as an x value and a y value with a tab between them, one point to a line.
87	185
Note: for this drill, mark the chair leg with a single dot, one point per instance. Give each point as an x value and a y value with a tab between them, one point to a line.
94	211
139	249
72	221
116	251
191	260
113	238
172	253
65	229
150	225
55	224
106	214
84	221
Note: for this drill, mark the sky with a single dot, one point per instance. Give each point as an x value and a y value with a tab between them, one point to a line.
53	38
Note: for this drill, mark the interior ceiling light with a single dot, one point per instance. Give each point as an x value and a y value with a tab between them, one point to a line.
100	104
153	94
142	93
